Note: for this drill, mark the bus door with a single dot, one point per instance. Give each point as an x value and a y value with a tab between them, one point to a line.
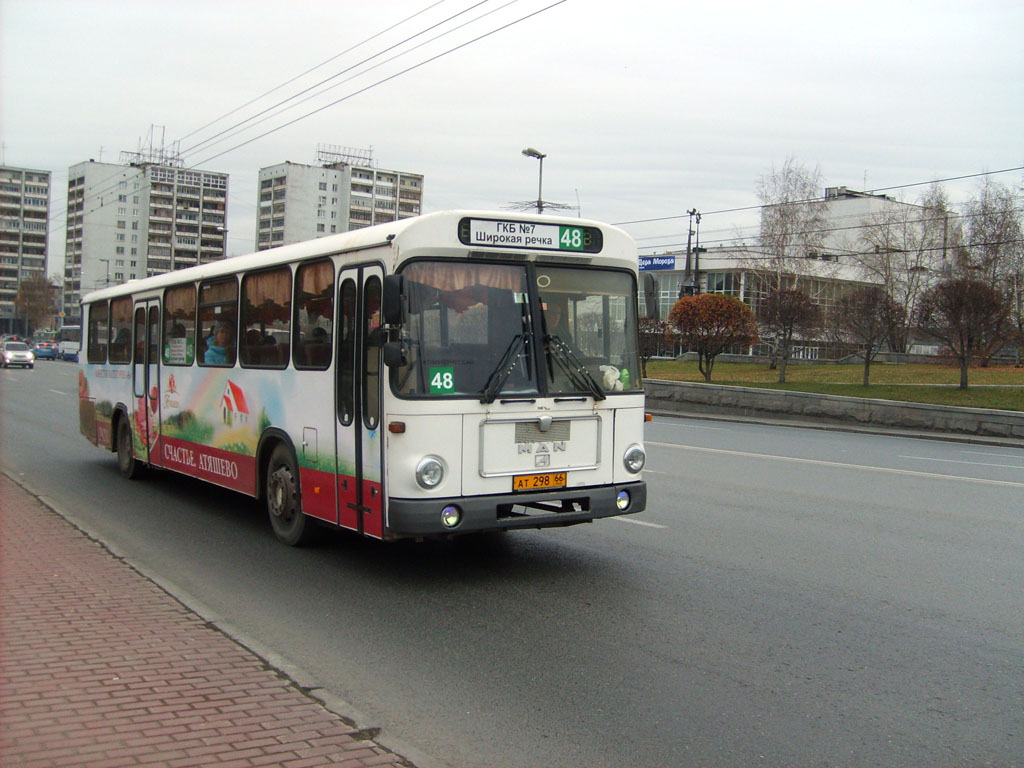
358	383
146	378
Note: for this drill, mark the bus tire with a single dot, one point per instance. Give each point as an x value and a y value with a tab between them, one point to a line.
284	506
129	466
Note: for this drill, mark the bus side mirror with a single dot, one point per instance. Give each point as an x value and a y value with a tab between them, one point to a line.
391	302
396	353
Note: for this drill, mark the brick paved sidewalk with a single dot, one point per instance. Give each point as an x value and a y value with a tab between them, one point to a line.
101	667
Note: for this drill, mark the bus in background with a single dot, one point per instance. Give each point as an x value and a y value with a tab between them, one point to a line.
451	373
69	342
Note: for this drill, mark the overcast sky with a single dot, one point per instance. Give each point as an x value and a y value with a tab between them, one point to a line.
645	109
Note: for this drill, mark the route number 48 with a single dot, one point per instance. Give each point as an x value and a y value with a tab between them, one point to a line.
442	381
570	238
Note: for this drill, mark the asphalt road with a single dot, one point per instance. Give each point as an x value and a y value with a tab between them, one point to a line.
790	597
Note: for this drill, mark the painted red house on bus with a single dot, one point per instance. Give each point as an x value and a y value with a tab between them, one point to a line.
234	409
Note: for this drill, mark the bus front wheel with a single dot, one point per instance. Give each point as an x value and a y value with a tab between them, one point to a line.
126	462
284	506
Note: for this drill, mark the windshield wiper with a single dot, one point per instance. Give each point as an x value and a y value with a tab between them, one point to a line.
513	354
571	366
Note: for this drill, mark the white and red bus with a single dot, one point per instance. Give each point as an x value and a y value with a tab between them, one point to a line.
450	373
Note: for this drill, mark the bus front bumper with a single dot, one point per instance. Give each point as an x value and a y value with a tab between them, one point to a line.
567	506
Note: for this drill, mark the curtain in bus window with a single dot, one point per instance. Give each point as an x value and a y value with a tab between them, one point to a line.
455	276
266	318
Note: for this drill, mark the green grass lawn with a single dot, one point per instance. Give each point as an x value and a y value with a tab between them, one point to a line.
996	387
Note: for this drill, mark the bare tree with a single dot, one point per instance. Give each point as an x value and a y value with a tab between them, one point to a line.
965	315
794	224
786	314
651	340
906	247
36	301
865	317
994	234
995	250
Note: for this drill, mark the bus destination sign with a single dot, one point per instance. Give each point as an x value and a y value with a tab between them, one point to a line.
529	234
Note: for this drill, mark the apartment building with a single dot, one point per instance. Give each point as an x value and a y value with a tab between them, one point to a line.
342	191
139	218
24	216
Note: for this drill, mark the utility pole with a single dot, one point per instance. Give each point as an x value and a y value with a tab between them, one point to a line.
688	287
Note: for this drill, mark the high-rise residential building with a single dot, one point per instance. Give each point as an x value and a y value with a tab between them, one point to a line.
343	190
24	215
145	216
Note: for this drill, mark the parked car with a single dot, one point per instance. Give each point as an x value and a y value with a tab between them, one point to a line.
17	353
45	350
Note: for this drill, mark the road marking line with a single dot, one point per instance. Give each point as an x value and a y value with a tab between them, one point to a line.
638	522
841	465
58	392
961	461
987	453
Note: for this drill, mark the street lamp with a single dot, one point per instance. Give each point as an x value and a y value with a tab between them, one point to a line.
106	281
531	152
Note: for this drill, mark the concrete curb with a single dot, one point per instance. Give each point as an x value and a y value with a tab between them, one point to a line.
836	412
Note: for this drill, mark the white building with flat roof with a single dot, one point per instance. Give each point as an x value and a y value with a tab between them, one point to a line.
342	191
24	221
137	219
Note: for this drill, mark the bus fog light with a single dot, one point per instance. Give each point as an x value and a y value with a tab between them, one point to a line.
622	501
430	472
451	516
634	458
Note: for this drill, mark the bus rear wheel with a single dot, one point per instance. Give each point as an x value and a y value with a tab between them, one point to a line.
126	462
284	506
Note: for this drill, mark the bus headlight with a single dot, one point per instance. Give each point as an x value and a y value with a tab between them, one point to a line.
634	458
430	472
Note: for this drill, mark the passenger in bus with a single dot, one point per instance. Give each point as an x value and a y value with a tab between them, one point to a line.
218	346
556	322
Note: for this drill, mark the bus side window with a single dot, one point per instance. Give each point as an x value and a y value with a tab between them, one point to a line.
179	331
97	349
121	330
266	318
218	316
314	312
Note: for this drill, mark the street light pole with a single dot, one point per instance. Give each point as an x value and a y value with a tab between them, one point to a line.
531	152
106	281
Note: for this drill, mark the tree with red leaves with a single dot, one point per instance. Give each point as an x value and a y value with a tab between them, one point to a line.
711	323
787	314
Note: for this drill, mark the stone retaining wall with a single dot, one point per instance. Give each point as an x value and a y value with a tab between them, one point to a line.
691	397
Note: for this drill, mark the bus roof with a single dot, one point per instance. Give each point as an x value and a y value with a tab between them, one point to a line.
434	233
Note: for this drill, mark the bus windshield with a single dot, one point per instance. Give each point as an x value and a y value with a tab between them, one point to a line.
481	330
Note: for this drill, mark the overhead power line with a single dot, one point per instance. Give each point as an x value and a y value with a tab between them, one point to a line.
818	199
381	81
253	118
311	69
